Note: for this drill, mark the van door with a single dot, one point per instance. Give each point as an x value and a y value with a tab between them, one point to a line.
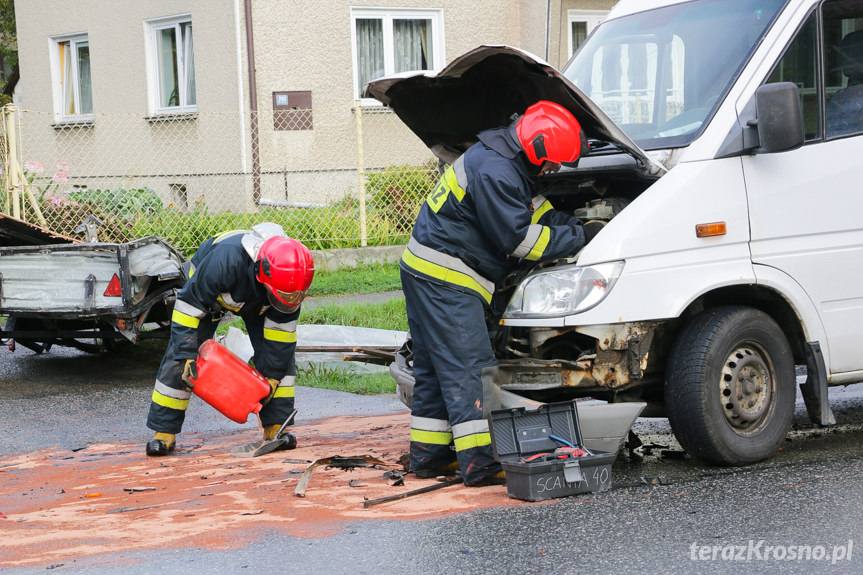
806	205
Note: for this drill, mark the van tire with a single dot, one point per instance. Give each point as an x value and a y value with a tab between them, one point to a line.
730	386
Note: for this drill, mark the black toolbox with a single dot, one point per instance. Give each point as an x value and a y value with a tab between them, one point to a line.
525	443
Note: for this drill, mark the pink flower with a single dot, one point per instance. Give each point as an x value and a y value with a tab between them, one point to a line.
34	167
60	178
62	167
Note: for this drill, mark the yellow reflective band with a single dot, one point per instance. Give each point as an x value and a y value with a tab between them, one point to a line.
279	335
185	320
226	306
445	274
227	234
540	211
169	402
284	391
452	184
539	247
472	440
433	437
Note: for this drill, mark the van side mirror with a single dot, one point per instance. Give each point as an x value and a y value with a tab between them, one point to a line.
778	118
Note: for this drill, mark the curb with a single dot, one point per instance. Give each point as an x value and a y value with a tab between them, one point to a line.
352	257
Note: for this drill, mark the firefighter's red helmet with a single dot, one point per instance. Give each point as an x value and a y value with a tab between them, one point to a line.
548	131
285	266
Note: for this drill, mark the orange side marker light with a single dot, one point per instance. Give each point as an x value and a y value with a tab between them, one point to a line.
707	230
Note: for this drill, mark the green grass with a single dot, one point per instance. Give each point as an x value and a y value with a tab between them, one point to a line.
345	379
365	278
389	314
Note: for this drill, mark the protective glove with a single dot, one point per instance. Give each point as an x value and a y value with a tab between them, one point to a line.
591	228
274	383
190	372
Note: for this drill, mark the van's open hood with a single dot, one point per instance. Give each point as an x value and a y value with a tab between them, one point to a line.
482	89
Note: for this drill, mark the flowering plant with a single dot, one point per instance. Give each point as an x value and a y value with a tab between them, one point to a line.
32	171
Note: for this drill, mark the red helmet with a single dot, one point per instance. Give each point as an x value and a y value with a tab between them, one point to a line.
286	267
548	131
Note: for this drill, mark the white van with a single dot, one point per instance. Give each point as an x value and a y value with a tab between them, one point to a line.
726	157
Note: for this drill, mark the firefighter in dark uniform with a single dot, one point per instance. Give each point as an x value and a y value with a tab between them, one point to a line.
474	227
262	277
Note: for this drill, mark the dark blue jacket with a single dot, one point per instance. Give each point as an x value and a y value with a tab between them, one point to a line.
223	278
482	219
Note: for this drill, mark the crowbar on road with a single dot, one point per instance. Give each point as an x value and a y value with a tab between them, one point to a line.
445	483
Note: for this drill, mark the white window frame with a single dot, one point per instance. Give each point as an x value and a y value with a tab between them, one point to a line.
152	28
590	17
387	15
59	93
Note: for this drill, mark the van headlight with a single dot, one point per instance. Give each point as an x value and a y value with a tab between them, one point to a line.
564	290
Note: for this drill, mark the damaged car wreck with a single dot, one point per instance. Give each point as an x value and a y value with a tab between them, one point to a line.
717	272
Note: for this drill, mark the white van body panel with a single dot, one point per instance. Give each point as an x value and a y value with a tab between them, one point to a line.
806	221
799	300
656	238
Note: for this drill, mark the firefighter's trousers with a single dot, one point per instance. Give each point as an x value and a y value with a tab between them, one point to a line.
452	357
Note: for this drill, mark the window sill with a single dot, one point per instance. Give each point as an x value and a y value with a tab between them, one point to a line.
82	123
376	108
172	117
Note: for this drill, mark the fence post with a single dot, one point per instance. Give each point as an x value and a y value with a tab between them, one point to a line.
13	169
16	177
362	176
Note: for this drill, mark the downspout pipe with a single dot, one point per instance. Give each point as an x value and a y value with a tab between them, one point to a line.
253	104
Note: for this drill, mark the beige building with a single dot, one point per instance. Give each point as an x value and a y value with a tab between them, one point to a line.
162	93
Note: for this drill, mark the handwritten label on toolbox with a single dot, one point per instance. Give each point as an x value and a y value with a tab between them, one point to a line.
553	482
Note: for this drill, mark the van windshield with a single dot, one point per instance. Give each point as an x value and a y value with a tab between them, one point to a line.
661	74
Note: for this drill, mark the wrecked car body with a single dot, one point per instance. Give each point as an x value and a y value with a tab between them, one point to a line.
88	295
716	272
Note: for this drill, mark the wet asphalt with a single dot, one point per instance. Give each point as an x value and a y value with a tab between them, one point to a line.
664	514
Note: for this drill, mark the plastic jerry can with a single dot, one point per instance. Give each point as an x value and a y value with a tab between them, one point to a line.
228	383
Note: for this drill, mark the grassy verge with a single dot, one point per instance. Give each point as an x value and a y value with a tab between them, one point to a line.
389	314
345	379
366	278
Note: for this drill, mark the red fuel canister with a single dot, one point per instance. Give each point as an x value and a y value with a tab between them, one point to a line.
228	383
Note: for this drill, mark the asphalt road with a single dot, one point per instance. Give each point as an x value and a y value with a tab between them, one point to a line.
799	512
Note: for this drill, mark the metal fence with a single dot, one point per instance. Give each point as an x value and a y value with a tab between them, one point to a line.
332	179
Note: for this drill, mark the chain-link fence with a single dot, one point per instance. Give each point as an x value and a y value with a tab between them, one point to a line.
331	178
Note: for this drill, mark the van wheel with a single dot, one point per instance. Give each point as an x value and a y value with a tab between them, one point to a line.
730	386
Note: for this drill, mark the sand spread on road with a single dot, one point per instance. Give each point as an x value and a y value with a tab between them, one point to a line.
112	498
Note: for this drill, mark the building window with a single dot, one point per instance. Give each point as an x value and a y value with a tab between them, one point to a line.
581	23
386	41
73	95
172	66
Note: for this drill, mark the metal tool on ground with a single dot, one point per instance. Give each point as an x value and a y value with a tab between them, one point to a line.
280	440
346	463
445	483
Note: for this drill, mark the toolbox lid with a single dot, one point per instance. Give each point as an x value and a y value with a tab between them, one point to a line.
517	432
